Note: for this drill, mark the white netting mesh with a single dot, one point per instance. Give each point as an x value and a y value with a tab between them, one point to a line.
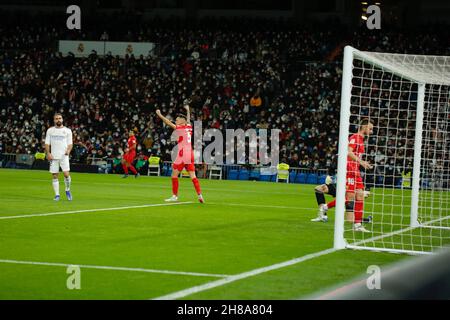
385	88
417	68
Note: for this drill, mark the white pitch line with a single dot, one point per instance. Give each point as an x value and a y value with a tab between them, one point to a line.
197	274
260	206
93	210
240	276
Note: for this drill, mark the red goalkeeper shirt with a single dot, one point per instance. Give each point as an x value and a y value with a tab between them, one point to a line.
356	142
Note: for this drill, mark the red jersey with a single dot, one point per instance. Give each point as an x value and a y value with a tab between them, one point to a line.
132	142
356	142
184	133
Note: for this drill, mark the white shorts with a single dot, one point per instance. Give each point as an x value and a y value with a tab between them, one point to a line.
56	163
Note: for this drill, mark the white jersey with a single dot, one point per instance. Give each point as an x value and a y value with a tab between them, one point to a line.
58	139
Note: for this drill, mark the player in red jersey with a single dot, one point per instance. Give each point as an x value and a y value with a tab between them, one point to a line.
185	154
354	182
129	156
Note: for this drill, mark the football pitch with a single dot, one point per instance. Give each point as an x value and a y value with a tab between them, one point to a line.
250	240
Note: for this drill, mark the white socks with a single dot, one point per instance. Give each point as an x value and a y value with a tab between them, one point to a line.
55	183
67	182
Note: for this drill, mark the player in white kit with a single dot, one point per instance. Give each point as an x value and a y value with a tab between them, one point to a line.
58	145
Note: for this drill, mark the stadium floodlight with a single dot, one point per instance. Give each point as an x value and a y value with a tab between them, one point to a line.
408	99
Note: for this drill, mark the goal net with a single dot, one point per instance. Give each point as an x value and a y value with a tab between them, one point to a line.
408	99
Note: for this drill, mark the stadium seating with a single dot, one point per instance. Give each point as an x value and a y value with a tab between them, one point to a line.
282	172
322	179
305	157
233	174
215	172
292	176
153	166
406	180
244	174
167	169
425	183
255	175
300	178
312	178
39	156
266	177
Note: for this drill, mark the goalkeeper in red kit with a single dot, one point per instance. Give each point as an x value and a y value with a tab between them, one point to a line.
354	182
130	155
185	154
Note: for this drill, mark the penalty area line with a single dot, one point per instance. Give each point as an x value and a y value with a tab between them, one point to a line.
218	283
94	210
86	266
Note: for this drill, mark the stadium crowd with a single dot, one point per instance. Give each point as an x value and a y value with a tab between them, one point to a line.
237	74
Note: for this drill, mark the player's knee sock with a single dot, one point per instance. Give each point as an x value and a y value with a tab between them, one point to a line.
197	185
67	182
133	169
125	168
55	183
359	206
320	197
331	204
175	186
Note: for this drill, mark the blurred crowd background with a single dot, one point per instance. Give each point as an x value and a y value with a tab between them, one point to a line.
237	72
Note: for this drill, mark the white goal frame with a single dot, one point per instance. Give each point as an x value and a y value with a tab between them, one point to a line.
422	77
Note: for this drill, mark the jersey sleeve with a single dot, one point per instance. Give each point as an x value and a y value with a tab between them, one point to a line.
69	137
353	142
47	136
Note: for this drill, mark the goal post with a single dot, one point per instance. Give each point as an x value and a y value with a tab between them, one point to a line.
417	157
407	97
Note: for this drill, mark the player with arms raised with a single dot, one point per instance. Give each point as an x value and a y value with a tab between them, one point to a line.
354	182
185	154
58	145
130	155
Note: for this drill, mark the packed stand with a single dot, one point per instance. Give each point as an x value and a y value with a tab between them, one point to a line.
272	75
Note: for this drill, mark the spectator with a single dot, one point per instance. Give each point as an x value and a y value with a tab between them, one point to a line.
104	97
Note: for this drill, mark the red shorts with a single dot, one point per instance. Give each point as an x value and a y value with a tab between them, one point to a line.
184	162
181	165
354	182
129	157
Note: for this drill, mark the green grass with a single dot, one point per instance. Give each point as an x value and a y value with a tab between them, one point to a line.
244	225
